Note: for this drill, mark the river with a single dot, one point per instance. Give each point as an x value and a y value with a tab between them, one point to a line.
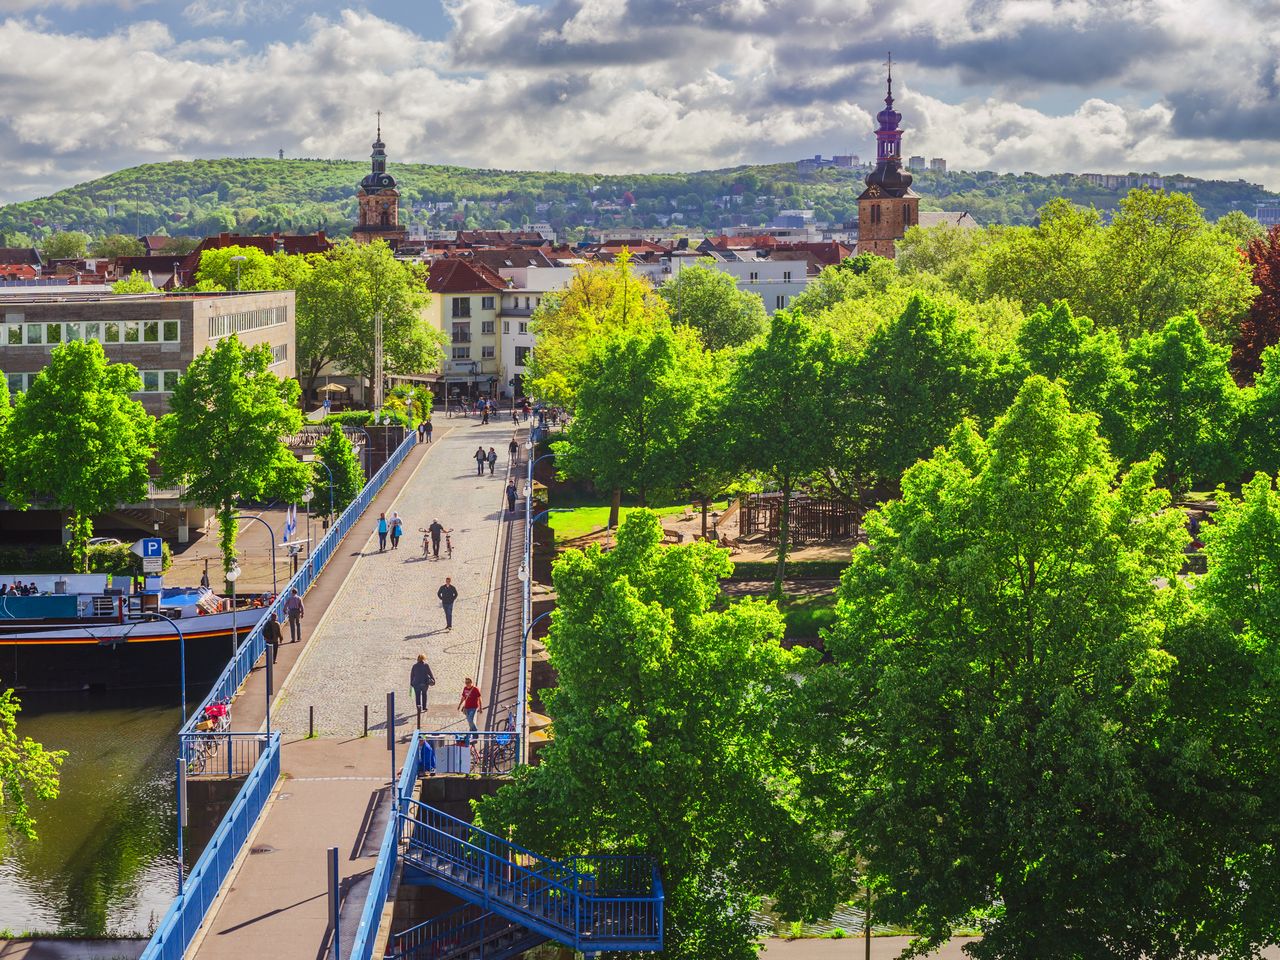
106	862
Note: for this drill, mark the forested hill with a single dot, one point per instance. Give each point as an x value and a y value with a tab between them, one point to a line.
261	195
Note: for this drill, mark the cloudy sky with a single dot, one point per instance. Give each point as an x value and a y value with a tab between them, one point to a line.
1184	86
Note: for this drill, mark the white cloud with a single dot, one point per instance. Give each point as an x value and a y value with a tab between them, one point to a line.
659	85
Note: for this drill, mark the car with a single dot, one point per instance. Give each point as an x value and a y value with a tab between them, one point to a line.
104	542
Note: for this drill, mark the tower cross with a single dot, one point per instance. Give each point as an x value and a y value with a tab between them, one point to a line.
379	124
889	66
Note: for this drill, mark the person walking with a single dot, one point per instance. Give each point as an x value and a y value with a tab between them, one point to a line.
382	532
511	496
397	530
435	530
271	634
427	425
480	458
493	460
422	431
421	679
515	417
469	703
513	449
294	611
204	578
484	411
447	593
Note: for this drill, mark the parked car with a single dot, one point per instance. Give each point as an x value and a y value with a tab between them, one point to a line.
104	542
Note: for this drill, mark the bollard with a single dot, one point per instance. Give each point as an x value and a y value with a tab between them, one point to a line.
311	721
334	902
366	719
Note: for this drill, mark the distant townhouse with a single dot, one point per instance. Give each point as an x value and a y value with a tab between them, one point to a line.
465	306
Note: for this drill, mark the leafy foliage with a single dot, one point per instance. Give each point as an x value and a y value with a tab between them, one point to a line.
709	301
116	245
669	743
27	769
223	435
135	282
1261	328
338	454
65	244
78	440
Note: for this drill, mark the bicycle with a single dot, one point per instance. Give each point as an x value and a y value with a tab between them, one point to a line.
217	719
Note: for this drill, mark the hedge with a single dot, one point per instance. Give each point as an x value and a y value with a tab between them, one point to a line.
103	559
796	569
362	418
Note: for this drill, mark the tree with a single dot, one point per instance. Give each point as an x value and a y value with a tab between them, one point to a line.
65	245
116	245
782	392
1241	228
667	711
1185	406
706	462
222	438
998	639
337	453
1261	326
134	283
709	301
337	303
1262	415
257	271
26	767
637	397
79	440
570	322
1242	551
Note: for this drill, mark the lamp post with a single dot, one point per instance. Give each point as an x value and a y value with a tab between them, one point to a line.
368	452
307	494
237	260
232	575
182	656
330	472
244	516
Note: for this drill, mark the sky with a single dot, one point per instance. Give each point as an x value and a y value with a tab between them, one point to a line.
1108	86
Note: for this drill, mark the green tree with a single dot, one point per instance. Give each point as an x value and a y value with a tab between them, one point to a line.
1242	550
569	323
667	716
709	300
117	245
337	453
1056	260
337	303
1241	228
946	251
1185	406
637	398
135	282
65	245
223	436
78	440
220	270
1261	405
783	393
26	768
998	641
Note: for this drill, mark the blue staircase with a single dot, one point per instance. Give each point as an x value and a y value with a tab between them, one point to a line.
464	933
588	903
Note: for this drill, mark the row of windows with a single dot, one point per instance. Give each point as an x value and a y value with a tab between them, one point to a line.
753	276
104	331
513	302
279	353
153	381
876	215
462	305
246	320
506	326
464	353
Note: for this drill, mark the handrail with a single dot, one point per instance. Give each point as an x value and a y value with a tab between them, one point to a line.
254	645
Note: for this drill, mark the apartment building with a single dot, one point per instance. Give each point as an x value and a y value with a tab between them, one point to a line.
465	301
159	334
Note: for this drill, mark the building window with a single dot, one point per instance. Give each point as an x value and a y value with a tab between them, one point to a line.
71	331
171	332
524	327
506	326
151	331
462	306
781	301
487	326
875	213
17	382
246	320
752	277
526	303
462	353
486	303
279	353
15	335
150	381
132	331
93	330
35	333
486	353
462	333
522	356
170	380
112	330
786	276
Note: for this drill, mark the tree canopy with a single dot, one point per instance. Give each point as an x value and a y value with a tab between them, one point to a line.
709	301
336	452
135	282
78	440
66	244
223	436
27	769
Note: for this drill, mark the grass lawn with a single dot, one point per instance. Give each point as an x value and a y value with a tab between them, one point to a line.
580	521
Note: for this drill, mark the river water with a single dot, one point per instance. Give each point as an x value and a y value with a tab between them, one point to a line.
106	860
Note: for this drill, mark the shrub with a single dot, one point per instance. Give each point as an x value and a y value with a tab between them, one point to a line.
102	559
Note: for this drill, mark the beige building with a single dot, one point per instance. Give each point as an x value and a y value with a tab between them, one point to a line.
159	334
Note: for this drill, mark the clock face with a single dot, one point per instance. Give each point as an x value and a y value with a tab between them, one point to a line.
385	180
873	192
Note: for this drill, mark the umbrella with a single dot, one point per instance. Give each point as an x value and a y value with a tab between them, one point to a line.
332	388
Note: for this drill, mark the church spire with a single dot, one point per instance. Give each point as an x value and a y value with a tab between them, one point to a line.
888	174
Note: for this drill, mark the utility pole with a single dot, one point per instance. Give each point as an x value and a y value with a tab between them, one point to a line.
377	360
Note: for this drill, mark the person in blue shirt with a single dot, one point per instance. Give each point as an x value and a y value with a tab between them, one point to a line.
382	532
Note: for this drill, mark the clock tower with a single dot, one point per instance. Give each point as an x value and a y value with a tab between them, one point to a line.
379	200
888	206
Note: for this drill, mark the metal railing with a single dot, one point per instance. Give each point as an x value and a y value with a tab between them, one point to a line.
253	646
222	754
187	912
468	931
380	881
483	752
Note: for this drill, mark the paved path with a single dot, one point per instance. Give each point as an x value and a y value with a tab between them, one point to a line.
386	612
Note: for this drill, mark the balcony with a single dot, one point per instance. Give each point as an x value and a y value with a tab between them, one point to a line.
460	337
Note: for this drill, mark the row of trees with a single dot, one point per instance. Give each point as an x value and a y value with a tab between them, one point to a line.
77	440
1028	723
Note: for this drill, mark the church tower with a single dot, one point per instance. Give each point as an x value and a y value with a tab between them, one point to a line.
888	206
379	200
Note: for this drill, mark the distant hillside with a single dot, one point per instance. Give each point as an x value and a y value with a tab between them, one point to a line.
259	195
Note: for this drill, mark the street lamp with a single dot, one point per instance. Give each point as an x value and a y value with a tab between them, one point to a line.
307	494
237	260
330	472
244	516
232	575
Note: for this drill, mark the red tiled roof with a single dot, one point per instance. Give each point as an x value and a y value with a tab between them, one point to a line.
452	275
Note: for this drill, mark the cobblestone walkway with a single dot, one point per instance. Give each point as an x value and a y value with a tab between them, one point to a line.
386	612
